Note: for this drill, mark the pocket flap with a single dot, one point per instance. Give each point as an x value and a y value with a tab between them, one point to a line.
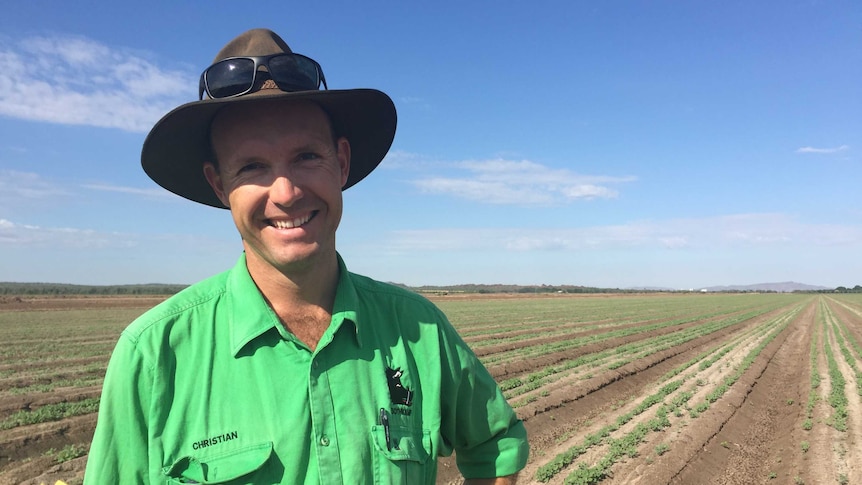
220	468
404	443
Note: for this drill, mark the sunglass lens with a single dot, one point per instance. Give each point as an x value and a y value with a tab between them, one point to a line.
230	77
294	73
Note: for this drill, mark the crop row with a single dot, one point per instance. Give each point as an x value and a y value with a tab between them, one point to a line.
627	444
836	339
844	338
628	353
51	412
564	344
813	393
587	474
837	397
495	321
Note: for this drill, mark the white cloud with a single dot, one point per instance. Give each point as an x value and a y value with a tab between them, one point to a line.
15	186
822	150
730	231
30	236
25	235
402	160
414	102
75	80
523	182
155	192
21	189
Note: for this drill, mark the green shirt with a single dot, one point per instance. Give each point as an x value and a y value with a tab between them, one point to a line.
208	387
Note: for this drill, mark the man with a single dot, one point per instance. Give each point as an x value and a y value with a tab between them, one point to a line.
288	368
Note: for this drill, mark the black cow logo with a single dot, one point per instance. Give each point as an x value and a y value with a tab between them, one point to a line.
397	392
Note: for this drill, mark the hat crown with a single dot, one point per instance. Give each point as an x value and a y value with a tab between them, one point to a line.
178	146
254	42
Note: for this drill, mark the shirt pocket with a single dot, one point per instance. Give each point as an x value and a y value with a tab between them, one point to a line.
405	460
231	467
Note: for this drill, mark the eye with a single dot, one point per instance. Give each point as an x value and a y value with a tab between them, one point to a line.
248	167
308	156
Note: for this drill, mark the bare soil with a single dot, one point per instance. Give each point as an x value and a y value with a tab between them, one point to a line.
753	433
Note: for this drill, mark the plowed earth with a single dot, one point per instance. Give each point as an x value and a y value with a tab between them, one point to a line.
694	389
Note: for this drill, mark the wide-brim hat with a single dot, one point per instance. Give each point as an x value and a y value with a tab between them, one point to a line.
178	145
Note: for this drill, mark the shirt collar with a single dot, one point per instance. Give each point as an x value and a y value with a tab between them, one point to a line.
250	316
346	306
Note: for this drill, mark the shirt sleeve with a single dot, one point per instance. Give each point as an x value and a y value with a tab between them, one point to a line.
488	438
119	451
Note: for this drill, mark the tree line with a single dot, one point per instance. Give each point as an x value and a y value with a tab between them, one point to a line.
500	288
69	289
842	289
167	289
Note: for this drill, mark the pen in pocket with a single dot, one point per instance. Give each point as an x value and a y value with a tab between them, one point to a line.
384	421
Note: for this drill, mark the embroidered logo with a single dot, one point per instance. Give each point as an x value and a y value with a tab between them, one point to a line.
397	392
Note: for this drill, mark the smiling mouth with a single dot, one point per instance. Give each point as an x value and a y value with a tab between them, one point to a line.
293	223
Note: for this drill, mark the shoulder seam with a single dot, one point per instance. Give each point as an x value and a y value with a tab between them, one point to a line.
369	284
161	314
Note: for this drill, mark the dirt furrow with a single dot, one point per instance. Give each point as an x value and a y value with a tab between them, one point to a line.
630	397
699	452
846	443
820	459
578	332
25	443
527	365
45	469
565	411
13	385
678	436
482	335
851	317
33	401
16	369
752	434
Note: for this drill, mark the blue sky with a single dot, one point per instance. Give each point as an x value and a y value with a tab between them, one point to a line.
614	144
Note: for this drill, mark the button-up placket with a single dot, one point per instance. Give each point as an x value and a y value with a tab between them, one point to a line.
323	416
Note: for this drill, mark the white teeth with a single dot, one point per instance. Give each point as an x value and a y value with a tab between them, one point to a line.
280	224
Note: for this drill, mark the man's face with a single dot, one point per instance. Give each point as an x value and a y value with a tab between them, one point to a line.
280	172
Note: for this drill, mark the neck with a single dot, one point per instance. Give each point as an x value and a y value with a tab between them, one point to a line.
302	297
308	284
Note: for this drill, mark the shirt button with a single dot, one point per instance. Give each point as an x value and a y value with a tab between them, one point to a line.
324	441
315	364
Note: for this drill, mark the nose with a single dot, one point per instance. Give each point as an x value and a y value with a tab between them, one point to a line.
284	191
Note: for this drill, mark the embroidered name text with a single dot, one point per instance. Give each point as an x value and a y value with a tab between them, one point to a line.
215	440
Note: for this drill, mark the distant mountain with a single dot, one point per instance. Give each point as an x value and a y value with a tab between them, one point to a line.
785	287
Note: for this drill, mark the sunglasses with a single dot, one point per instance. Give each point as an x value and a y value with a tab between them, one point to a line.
236	76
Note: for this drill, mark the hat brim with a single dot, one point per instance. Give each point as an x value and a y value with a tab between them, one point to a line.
177	147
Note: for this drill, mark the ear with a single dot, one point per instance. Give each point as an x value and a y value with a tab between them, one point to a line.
342	147
214	179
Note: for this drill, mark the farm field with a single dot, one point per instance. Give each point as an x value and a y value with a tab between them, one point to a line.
613	389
